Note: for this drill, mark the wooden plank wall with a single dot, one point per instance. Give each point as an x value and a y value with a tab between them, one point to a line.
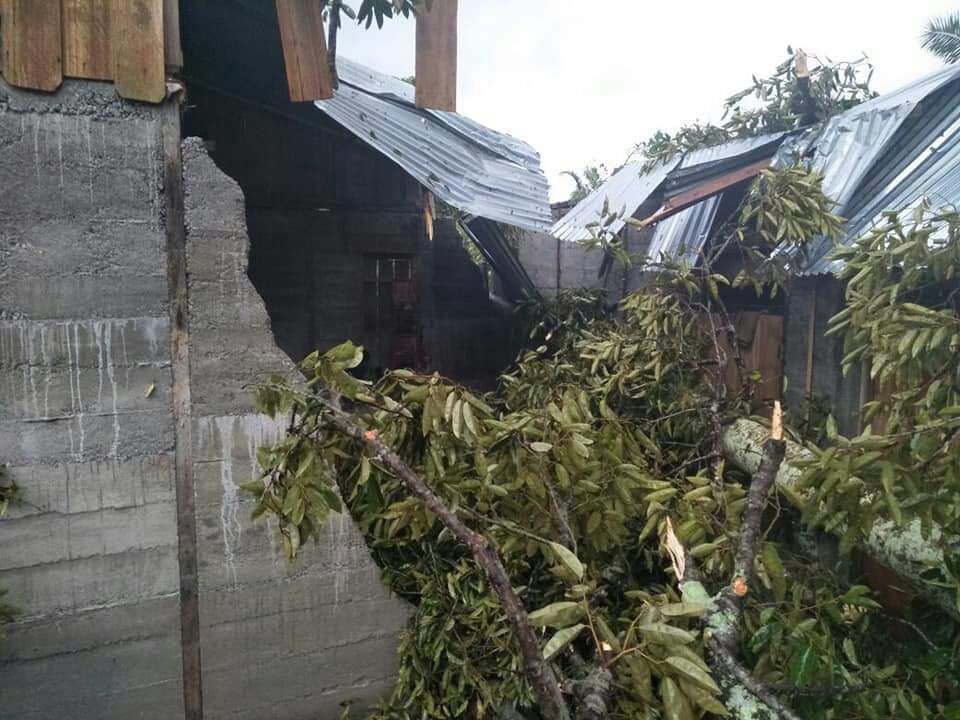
32	47
131	42
86	39
139	67
761	352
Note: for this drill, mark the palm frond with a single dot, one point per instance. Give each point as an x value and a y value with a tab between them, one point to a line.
942	37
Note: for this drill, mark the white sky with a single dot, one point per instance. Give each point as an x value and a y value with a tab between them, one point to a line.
584	86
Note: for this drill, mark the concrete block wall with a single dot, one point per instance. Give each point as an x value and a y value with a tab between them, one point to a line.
277	639
86	425
554	264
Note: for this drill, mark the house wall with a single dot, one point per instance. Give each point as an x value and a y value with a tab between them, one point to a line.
276	638
129	336
86	420
554	264
816	299
318	202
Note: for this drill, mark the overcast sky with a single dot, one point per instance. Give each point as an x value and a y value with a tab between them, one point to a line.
583	86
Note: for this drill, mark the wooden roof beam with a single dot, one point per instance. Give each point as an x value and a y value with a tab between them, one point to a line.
691	197
305	50
437	56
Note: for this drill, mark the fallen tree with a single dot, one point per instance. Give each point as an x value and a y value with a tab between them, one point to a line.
599	538
908	549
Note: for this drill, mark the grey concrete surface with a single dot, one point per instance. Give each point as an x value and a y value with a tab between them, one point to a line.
277	639
92	557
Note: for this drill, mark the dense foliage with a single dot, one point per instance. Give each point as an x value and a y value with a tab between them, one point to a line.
902	322
772	104
602	437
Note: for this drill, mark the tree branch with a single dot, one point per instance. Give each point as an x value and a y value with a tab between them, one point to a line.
594	694
539	673
332	31
908	550
747	698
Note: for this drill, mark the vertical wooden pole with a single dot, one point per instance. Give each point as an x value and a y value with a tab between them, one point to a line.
32	43
173	52
437	56
179	306
304	50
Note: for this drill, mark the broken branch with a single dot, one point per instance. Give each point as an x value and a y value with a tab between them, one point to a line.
539	673
906	549
747	698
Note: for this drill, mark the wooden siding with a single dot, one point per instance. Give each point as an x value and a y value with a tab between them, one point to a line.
129	42
760	336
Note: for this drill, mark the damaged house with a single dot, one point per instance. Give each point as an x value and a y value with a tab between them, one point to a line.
173	230
887	154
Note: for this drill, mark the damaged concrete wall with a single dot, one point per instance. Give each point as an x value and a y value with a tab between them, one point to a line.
320	206
85	409
276	638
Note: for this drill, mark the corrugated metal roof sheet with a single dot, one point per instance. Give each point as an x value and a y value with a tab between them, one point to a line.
627	189
857	149
735	149
466	165
682	236
489	237
934	174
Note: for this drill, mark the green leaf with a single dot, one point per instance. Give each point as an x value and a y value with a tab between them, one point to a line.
469	419
691	671
541	447
559	614
684	609
675	703
331	498
254	487
774	567
568	559
665	634
888	479
347	355
561	639
803	666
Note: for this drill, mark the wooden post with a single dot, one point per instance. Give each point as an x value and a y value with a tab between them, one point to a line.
32	44
437	56
173	52
137	47
304	50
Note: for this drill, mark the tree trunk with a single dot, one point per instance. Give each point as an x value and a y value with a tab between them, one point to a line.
902	548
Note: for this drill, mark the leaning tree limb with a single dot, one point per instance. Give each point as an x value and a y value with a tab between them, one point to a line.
746	697
593	694
537	670
906	549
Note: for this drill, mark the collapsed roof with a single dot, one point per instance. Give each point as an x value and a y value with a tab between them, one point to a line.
885	154
486	174
465	164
